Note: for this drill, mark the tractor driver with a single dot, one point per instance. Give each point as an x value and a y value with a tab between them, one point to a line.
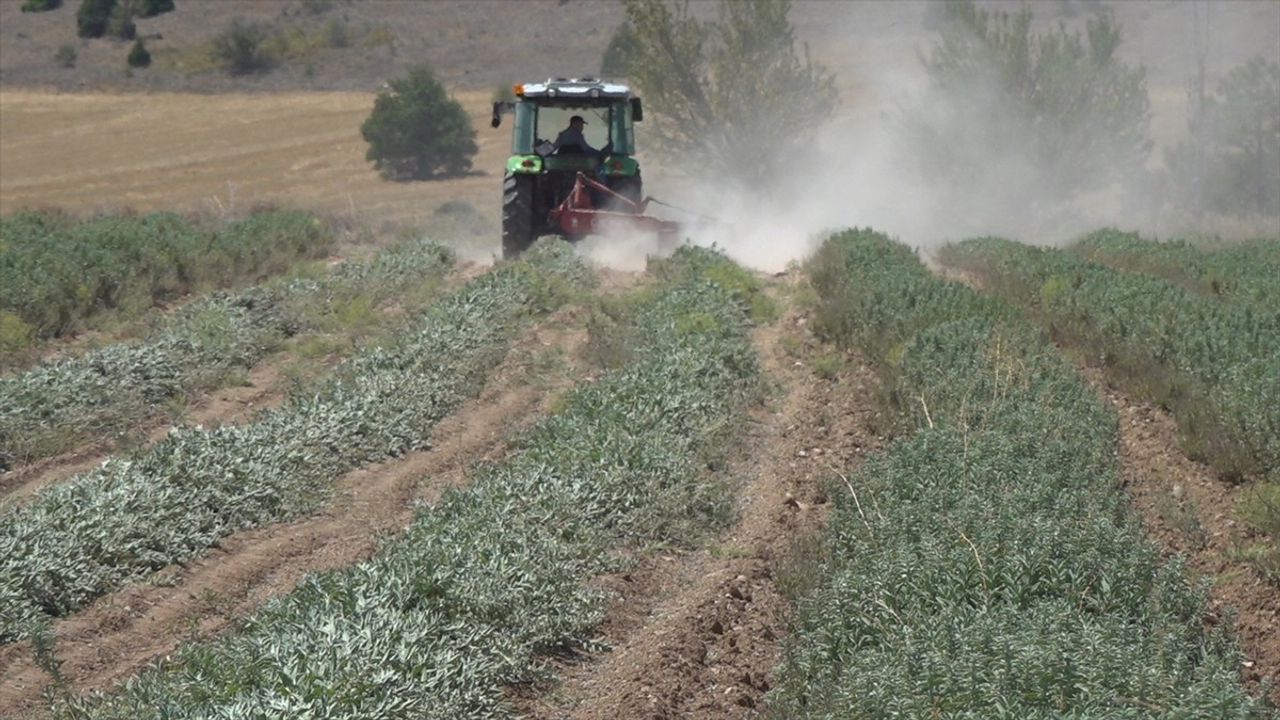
571	137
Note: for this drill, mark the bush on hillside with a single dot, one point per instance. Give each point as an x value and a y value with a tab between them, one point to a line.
91	18
66	56
139	56
151	8
120	22
241	49
417	132
106	18
40	5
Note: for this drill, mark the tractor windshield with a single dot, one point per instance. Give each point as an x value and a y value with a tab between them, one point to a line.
537	123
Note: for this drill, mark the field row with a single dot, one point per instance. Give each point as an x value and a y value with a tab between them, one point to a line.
59	405
1215	364
486	583
89	535
56	273
988	564
1246	271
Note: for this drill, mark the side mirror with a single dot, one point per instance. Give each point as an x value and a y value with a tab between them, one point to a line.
499	108
637	111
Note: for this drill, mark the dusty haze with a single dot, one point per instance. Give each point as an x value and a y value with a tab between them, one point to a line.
866	171
288	138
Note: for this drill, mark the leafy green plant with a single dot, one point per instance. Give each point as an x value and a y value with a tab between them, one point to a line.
169	502
987	561
487	583
58	405
1260	507
120	24
92	17
1216	365
417	132
1240	272
56	274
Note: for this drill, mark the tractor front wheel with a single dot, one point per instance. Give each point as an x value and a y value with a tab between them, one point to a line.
517	214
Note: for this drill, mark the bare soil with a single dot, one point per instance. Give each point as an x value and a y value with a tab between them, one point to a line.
1189	512
697	634
123	633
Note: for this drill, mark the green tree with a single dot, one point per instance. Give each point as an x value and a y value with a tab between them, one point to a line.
731	96
1231	163
1049	114
618	56
139	56
92	16
417	132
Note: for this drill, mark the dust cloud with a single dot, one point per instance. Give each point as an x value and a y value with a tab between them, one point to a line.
867	168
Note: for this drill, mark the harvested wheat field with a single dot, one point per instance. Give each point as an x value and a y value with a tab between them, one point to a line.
221	153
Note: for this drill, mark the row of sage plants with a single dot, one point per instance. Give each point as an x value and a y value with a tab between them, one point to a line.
58	405
486	584
55	272
986	564
169	503
1215	365
1245	271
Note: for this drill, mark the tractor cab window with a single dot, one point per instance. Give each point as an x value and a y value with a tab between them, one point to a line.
552	119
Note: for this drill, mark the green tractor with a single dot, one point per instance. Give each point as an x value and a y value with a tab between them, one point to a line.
565	189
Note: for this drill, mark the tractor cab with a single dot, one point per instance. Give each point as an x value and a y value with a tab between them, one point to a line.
541	178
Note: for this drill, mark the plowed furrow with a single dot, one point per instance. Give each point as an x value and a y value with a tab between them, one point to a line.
1187	510
698	635
123	632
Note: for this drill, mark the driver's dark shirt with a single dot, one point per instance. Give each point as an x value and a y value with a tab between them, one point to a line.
571	136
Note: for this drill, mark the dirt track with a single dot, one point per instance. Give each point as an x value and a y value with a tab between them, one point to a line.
123	632
697	635
1188	511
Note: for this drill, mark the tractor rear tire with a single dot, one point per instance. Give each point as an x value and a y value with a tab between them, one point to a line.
518	231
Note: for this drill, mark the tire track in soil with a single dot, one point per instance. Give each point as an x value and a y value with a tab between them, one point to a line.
265	389
1186	510
122	633
697	635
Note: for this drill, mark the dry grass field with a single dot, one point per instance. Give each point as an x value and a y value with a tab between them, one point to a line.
217	153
